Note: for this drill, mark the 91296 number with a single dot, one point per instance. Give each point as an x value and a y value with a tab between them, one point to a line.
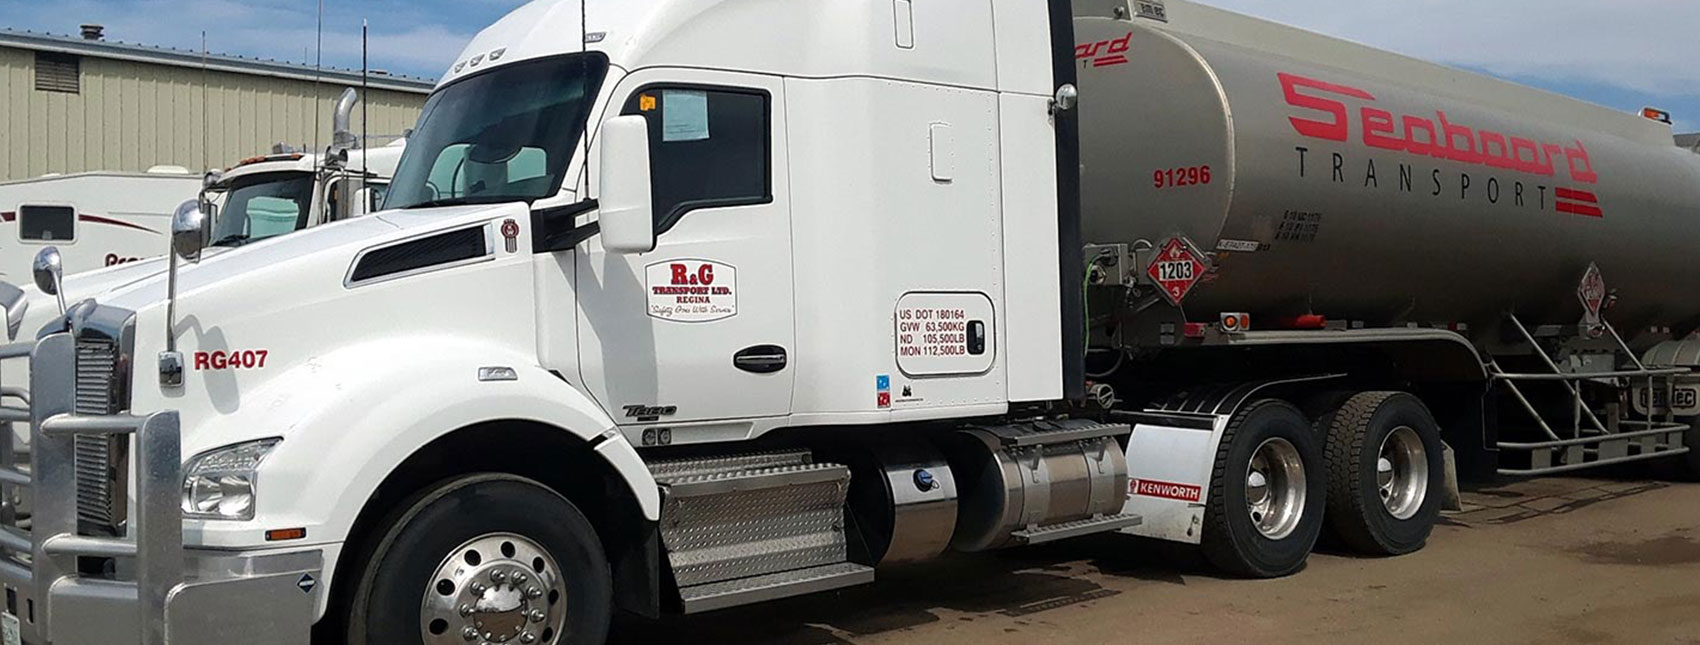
1180	177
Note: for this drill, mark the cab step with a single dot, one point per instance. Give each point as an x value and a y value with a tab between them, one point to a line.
747	528
1065	530
746	591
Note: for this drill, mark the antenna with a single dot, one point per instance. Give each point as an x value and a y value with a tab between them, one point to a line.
365	101
318	70
206	154
584	88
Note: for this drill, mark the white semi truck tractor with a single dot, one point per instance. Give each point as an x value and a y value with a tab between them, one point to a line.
678	305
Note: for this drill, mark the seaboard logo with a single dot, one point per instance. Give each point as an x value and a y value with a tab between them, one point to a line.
1325	115
1104	53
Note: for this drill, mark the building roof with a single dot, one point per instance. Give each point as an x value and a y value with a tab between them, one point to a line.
216	62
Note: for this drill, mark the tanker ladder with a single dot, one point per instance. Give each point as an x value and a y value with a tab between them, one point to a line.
1594	437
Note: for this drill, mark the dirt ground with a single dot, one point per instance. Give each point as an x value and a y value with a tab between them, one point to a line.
1556	560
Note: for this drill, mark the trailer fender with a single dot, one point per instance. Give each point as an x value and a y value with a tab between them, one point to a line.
1172	453
350	418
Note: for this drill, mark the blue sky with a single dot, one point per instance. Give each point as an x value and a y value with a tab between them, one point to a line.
1625	54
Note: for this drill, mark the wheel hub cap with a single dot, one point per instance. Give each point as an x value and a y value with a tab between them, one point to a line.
1275	489
1401	473
495	589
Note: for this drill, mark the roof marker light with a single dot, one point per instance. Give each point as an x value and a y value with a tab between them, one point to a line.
1657	115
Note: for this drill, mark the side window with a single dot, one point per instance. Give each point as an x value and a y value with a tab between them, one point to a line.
708	147
47	223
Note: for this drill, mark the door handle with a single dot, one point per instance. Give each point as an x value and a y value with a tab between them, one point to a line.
761	359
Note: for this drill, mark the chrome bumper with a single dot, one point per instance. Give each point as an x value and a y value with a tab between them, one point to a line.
154	592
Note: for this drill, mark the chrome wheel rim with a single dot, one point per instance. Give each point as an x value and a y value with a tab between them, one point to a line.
1275	488
496	588
1401	473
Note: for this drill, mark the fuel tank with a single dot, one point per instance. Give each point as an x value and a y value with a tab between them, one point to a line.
1334	179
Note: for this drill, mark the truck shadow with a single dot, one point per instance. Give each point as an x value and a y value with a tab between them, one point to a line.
962	587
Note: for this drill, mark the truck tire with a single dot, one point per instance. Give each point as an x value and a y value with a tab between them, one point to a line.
1386	473
509	546
1266	493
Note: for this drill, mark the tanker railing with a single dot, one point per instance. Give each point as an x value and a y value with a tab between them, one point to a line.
1614	440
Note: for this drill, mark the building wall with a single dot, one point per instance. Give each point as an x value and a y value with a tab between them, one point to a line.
130	116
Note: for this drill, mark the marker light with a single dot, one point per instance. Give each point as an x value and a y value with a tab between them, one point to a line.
1657	115
1235	323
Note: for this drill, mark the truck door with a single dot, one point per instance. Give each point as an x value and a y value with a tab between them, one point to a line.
701	328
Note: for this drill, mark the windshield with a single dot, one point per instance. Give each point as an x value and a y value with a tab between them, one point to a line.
501	136
261	206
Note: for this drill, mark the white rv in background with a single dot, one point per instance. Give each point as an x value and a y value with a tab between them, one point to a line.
97	219
104	219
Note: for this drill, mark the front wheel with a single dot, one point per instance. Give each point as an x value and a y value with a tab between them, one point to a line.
484	559
1266	494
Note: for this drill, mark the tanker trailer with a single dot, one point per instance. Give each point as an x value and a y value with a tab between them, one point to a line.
1422	260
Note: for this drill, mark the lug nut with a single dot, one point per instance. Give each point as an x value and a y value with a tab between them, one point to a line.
469	633
534	593
477	588
527	637
519	578
465	610
498	576
536	615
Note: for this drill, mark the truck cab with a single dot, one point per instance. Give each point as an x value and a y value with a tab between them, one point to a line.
682	227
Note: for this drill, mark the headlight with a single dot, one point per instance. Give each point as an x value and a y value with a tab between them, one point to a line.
219	484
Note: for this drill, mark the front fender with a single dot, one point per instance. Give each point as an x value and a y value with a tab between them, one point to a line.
350	418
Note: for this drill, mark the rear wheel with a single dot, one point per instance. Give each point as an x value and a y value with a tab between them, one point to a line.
1266	494
1386	471
484	559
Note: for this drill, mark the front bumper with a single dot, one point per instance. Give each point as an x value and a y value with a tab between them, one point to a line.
223	598
150	589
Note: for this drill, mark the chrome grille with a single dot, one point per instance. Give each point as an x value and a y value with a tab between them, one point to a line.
100	461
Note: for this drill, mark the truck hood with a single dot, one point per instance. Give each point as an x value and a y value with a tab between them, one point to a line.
336	243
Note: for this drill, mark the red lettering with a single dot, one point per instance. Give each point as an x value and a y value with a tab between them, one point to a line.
1412	125
201	360
1500	159
705	274
1120	45
1453	134
1448	140
1585	173
1340	128
681	274
1377	123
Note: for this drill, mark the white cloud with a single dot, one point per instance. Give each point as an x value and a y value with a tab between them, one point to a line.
1649	46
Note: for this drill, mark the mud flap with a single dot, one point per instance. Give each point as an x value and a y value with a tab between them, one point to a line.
1169	465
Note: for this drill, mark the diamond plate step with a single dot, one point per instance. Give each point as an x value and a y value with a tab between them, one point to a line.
1077	528
745	591
738	518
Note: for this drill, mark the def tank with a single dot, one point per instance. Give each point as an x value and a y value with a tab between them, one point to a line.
1330	178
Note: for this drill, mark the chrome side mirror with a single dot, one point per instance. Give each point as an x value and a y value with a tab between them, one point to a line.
49	270
12	308
1067	98
188	231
